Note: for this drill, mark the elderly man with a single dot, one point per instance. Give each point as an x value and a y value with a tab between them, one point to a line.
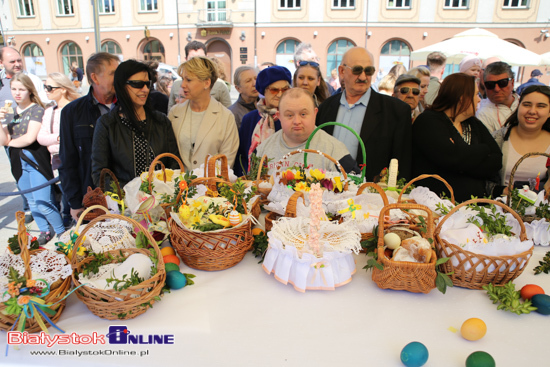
192	49
436	64
263	122
383	122
498	78
297	115
245	83
535	80
78	120
407	89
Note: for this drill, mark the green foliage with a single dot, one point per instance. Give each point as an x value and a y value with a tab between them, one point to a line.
13	243
517	203
493	222
14	276
543	211
142	241
189	278
370	245
508	298
401	184
442	281
12	308
94	265
235	194
442	209
205	227
544	265
144	187
125	282
255	166
259	246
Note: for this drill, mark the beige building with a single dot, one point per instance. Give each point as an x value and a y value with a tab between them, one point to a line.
52	33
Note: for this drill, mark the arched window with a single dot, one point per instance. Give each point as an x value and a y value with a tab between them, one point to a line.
394	52
153	50
35	62
71	52
285	54
112	48
336	52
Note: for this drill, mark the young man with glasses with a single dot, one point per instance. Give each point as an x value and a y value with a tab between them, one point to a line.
498	78
383	122
407	89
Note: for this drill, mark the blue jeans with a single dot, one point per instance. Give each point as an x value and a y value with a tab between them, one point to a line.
43	209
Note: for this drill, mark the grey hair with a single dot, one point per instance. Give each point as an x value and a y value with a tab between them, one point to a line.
300	50
497	68
239	71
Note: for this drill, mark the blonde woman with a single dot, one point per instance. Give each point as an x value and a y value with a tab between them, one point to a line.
202	125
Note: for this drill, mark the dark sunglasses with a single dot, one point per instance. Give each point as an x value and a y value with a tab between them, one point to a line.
405	90
138	84
276	91
502	83
49	88
312	63
357	69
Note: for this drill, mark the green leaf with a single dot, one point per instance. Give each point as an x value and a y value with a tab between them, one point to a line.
442	260
440	283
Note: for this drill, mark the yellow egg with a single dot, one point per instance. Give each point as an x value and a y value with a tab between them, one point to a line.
167	251
235	218
392	241
473	329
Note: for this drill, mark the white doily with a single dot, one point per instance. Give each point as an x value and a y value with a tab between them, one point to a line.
424	196
110	235
48	265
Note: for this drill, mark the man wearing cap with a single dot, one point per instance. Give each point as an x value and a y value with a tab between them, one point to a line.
382	122
498	78
535	80
407	89
261	123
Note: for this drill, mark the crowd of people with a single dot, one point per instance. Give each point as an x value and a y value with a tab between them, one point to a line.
470	128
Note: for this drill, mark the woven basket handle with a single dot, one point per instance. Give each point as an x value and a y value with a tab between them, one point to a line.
86	211
522	236
291	205
377	188
150	175
513	172
210	166
404	206
212	181
259	175
102	181
421	177
23	239
137	228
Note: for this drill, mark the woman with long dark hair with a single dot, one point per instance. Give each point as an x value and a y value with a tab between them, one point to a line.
127	139
450	141
308	76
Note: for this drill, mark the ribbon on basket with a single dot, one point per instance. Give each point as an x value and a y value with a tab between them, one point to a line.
146	205
116	199
352	208
318	266
67	248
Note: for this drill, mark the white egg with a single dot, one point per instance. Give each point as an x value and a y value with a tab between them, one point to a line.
392	241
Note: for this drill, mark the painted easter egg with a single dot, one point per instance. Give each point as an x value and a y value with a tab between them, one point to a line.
235	218
414	354
165	251
542	303
171	267
480	359
171	259
473	329
175	280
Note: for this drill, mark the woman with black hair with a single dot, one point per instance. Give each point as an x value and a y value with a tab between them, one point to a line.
526	130
127	139
308	76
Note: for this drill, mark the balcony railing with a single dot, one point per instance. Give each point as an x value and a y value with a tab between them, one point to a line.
214	17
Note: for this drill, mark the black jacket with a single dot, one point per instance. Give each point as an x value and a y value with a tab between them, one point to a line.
386	132
76	132
113	145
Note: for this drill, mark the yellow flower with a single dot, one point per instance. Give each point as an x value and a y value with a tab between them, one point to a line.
337	184
316	174
302	186
169	174
298	175
23	300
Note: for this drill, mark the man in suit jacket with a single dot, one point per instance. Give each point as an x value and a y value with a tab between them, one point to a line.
382	122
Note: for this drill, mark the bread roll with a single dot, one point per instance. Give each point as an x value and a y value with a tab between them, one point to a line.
419	248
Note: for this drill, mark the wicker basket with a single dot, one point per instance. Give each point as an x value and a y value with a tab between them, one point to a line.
97	196
150	176
130	302
366	236
57	293
473	278
525	218
289	212
218	250
421	177
404	275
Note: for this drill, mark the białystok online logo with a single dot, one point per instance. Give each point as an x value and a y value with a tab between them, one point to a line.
118	334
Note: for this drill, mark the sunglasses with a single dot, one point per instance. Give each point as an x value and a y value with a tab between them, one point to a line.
138	84
312	63
405	90
502	83
276	91
357	69
49	88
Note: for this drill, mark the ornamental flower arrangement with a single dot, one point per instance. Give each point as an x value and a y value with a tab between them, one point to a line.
297	179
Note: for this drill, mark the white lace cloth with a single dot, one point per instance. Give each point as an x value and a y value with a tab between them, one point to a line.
112	234
468	236
48	265
424	196
138	262
292	261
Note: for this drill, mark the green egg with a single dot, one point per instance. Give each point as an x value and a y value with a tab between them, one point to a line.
171	267
175	280
480	359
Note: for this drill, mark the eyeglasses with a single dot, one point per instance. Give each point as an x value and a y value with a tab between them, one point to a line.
138	84
49	88
312	63
405	90
502	83
276	91
358	69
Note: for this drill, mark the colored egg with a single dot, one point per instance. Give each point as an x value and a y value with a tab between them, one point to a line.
480	359
171	259
414	354
171	267
235	218
529	290
392	241
167	251
542	303
175	280
473	329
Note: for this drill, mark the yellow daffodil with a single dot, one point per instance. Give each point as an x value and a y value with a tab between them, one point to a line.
337	184
302	186
316	174
298	176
